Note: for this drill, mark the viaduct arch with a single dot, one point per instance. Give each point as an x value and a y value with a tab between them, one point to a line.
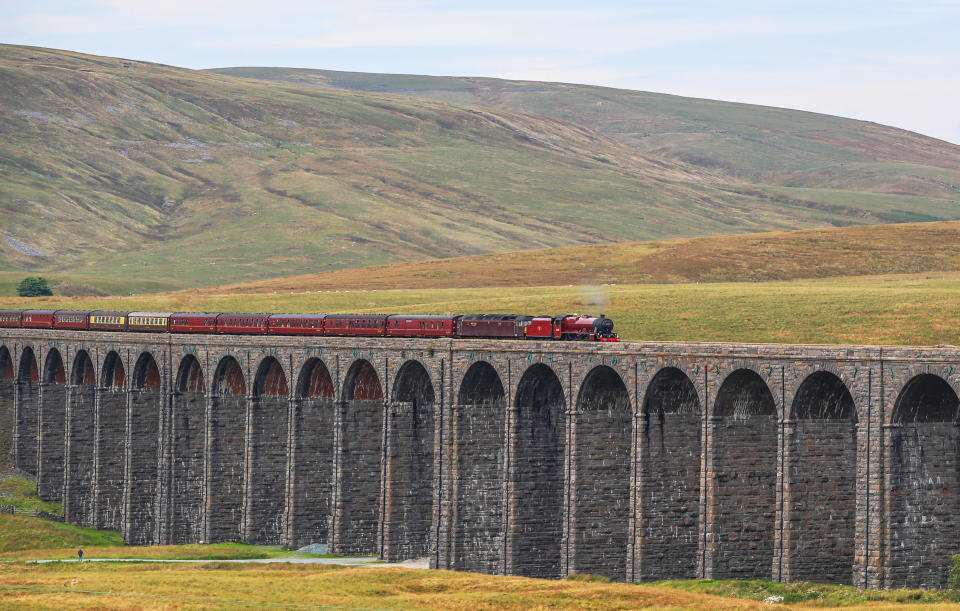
638	461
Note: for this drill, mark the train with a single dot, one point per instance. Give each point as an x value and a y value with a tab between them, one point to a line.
578	327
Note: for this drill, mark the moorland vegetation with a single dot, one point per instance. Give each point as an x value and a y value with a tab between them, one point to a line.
124	176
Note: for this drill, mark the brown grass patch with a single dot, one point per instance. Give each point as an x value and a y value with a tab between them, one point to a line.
791	255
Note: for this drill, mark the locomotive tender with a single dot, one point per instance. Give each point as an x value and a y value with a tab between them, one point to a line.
490	326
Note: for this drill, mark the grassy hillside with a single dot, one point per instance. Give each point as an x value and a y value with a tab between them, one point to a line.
114	168
22	533
742	142
129	176
22	494
868	310
819	253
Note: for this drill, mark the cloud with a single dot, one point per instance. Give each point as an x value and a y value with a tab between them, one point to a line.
559	30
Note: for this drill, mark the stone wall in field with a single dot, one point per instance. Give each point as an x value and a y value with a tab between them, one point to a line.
636	461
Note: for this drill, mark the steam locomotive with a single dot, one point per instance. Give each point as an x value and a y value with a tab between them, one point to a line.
491	326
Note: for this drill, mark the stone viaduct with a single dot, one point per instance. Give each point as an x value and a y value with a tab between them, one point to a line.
637	461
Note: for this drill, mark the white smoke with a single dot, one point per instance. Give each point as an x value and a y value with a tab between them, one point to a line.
595	297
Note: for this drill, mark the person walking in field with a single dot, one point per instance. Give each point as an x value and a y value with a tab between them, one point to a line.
79	555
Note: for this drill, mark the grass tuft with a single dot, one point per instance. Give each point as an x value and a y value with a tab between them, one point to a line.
589	578
22	494
19	533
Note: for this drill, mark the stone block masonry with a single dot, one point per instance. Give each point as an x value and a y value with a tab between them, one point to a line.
185	459
637	461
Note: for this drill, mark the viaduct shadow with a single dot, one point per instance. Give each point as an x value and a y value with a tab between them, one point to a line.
142	472
357	511
599	509
27	416
225	450
110	442
669	479
409	482
821	468
81	436
478	441
922	452
742	493
266	454
7	404
188	425
53	425
311	470
536	475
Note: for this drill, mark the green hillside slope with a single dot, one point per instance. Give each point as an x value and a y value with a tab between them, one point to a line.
743	142
116	169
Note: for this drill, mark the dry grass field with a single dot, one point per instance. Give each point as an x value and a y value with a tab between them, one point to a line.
95	585
154	586
896	309
786	255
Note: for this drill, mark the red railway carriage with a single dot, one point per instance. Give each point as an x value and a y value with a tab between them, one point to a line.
493	325
242	324
102	320
296	324
150	322
38	319
414	325
356	324
71	319
193	322
10	318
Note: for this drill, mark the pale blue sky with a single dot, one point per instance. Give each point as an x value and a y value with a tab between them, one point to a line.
890	61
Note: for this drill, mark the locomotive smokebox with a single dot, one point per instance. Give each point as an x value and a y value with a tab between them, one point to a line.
603	326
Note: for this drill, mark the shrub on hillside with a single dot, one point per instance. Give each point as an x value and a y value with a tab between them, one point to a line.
34	286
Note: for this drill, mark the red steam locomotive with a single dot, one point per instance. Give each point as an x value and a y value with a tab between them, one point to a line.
492	326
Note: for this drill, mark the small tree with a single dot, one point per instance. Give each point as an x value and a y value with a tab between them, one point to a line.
34	286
